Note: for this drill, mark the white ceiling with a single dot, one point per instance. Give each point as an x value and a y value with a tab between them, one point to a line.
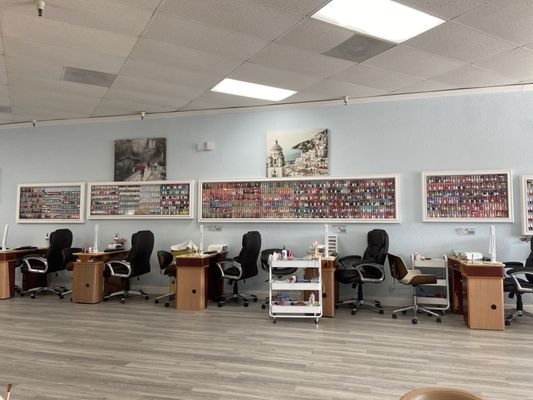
168	54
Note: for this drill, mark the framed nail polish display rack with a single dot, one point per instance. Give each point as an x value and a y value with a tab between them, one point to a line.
467	196
359	199
138	200
527	204
50	203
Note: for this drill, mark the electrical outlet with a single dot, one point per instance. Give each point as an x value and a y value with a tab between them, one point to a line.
340	228
214	228
466	231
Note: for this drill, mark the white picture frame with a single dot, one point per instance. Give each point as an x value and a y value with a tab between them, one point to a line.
474	192
526	184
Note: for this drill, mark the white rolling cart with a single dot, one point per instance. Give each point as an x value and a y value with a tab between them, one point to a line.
284	293
435	296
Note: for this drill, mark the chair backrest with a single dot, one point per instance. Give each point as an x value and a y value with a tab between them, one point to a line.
60	239
264	257
142	245
378	246
251	246
398	269
529	263
69	257
165	258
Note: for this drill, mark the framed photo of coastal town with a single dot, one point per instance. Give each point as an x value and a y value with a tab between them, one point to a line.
141	159
297	153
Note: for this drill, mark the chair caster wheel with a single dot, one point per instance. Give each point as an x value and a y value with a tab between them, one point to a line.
32	296
146	297
156	301
167	305
403	312
122	301
255	299
394	316
22	294
438	320
414	321
381	311
220	304
274	321
336	307
354	312
263	306
246	304
61	296
106	298
507	323
316	321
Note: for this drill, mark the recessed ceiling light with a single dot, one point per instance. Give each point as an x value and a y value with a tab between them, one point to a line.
384	19
254	90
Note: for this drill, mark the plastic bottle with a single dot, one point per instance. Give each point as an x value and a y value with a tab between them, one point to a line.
116	238
311	301
284	253
47	240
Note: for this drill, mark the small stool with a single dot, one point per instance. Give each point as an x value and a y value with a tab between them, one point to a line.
439	393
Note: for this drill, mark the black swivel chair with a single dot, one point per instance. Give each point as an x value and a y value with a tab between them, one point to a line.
168	268
53	262
356	270
241	267
277	272
519	281
69	259
137	263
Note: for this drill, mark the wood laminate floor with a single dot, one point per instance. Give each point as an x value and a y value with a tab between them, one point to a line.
53	349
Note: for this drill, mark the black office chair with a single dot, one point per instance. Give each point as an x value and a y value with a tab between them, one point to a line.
413	278
277	272
241	267
69	259
519	281
168	268
137	263
59	240
357	270
18	262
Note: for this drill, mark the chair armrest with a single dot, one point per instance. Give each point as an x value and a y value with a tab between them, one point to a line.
377	267
225	264
513	264
348	261
520	271
113	266
26	262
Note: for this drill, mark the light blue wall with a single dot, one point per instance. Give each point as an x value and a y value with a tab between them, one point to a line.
488	131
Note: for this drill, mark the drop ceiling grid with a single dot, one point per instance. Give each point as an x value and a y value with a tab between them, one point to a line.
155	88
238	16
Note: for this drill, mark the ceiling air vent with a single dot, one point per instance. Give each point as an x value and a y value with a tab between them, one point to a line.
359	48
87	76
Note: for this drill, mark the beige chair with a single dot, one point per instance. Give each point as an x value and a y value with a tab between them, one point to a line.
436	393
413	278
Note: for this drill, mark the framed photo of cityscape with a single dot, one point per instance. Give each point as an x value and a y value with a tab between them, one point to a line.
141	159
297	153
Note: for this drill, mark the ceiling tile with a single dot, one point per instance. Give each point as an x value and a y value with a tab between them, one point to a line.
30	97
56	33
306	97
39	53
221	100
155	88
97	14
145	98
241	16
316	36
34	82
300	61
263	75
512	23
183	58
446	9
516	64
424	86
414	62
167	28
331	88
26	67
117	107
359	48
299	7
374	77
472	77
28	113
169	75
459	42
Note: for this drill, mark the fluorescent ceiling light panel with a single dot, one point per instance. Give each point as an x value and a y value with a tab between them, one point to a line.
384	19
254	90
